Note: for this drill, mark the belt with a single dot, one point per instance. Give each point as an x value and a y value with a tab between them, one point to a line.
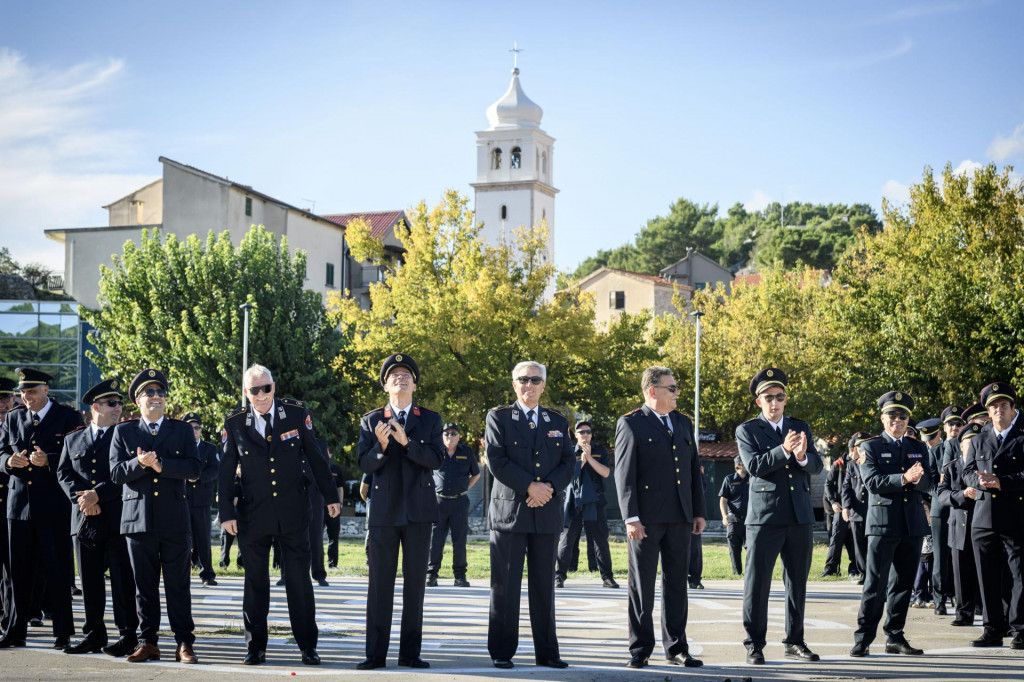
451	497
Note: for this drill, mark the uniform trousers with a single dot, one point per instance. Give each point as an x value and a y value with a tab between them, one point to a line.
695	570
226	541
736	534
942	564
965	580
765	544
994	552
316	534
569	542
508	552
6	587
40	548
414	539
201	554
452	515
333	527
860	545
151	553
669	542
92	563
888	583
840	538
256	592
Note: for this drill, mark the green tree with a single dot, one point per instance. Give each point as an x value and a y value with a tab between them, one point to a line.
174	306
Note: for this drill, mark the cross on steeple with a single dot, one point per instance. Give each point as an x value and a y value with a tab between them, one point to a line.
515	57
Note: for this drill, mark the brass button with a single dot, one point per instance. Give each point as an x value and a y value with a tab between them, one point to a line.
646	487
791	475
904	499
156	493
792	488
30	482
247	452
376	487
677	459
273	471
273	483
673	447
679	482
271	459
94	461
677	471
30	468
537	464
93	482
156	480
538	478
275	494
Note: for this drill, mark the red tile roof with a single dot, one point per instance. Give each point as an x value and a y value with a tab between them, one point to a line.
752	279
718	451
381	222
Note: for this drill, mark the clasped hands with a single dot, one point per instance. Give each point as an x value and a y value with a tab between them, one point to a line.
635	529
390	429
150	460
989	481
539	494
913	474
88	502
22	459
795	443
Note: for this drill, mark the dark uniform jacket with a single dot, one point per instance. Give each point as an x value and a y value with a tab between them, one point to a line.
736	493
452	477
998	510
935	463
34	491
518	456
5	480
276	473
657	472
961	507
895	509
834	484
403	476
780	488
201	493
154	502
855	495
85	465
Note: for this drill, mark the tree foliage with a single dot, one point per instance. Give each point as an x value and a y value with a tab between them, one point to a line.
174	306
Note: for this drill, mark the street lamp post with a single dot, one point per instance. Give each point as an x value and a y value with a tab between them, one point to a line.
696	315
246	307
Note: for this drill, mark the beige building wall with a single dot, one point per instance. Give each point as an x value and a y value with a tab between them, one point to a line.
322	243
85	251
142	207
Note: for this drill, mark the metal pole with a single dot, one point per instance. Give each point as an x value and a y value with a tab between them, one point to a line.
245	345
696	383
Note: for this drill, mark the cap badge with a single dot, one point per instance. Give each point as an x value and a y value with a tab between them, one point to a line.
398	358
152	373
899	396
113	384
21	375
770	374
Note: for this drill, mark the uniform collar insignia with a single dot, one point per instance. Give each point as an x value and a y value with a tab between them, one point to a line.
387	411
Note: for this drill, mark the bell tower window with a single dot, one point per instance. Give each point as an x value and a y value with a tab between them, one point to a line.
496	159
504	212
517	157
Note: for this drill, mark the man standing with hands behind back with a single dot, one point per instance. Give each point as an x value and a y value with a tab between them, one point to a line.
661	497
779	453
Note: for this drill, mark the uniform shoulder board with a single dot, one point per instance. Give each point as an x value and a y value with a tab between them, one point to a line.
870	440
555	412
235	412
172	419
134	420
17	407
293	402
74	430
66	408
376	409
501	408
630	414
425	410
750	421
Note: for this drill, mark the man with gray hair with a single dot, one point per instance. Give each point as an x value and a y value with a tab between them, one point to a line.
661	497
273	442
531	456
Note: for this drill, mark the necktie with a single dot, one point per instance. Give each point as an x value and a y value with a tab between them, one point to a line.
665	421
529	418
778	430
153	429
99	434
401	418
999	441
35	419
268	429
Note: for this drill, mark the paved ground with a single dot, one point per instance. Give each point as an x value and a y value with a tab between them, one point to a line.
592	635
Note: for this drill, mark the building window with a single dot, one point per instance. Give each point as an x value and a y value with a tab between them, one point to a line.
330	274
698	286
544	163
504	212
496	159
248	206
517	157
617	300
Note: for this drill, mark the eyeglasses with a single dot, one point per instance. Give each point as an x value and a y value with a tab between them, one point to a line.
897	416
197	427
255	390
151	392
451	433
530	380
584	432
399	376
775	398
673	388
111	403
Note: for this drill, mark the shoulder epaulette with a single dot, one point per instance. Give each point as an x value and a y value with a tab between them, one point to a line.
18	407
555	412
425	409
376	409
75	430
293	402
172	419
65	407
499	408
235	412
869	440
630	414
128	421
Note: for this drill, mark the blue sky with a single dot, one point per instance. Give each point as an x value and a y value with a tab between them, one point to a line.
373	105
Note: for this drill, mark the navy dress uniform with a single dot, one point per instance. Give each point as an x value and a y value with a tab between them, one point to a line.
84	466
736	493
404	508
586	508
855	501
200	495
996	529
961	514
280	459
896	526
333	525
38	511
950	446
779	520
942	568
658	481
154	514
7	387
840	537
524	448
451	485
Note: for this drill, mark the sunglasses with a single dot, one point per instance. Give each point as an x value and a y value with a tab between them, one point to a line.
111	403
584	431
898	416
671	389
197	427
151	392
530	380
255	390
778	397
451	433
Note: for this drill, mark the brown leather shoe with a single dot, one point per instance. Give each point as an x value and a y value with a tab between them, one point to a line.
185	654
144	652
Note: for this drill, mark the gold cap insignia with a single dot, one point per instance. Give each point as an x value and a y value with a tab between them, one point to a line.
899	396
113	384
21	375
152	373
398	358
770	374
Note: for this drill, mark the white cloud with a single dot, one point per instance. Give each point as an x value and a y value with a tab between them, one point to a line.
921	10
896	192
1003	148
758	202
967	167
59	160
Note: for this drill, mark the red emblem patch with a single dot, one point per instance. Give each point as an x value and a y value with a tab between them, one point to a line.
416	410
309	422
224	436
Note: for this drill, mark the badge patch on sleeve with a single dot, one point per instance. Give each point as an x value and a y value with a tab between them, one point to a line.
309	422
223	436
555	434
287	435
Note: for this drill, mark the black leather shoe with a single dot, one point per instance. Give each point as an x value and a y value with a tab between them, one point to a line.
461	582
609	582
828	574
371	664
698	585
553	663
255	657
559	581
121	647
503	663
637	662
685	660
431	581
902	646
61	643
8	642
989	638
1018	641
800	652
412	662
963	621
755	656
859	650
35	622
210	583
76	592
310	657
322	582
280	581
940	609
85	647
